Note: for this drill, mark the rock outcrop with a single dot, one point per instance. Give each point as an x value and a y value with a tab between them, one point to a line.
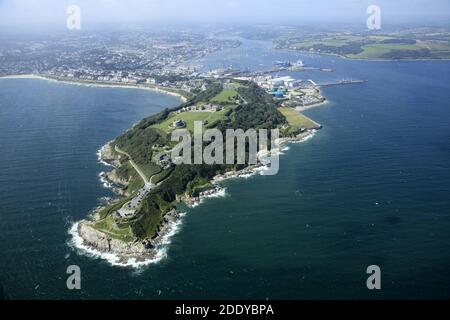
107	155
139	250
104	243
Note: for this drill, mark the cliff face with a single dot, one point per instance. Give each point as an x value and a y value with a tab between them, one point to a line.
108	156
138	250
102	242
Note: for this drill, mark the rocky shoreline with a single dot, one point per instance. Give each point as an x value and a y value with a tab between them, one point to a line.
126	253
129	253
107	157
299	138
146	251
102	242
193	202
244	173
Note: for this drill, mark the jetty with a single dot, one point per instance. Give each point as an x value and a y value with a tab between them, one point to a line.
340	83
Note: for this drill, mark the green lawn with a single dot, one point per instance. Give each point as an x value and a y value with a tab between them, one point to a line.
297	120
226	96
189	118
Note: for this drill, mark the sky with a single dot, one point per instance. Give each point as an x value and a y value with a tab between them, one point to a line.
26	13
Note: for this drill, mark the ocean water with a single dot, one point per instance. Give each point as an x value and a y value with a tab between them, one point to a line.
371	188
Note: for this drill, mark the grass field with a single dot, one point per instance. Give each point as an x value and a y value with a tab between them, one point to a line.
297	120
189	118
107	226
374	47
226	96
135	184
376	51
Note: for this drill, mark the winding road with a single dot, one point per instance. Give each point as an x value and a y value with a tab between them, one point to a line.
134	165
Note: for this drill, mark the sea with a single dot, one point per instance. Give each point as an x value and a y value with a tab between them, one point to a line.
371	188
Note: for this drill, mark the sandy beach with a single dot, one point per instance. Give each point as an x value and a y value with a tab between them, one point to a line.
96	84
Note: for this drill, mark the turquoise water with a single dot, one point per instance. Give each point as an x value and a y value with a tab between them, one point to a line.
370	188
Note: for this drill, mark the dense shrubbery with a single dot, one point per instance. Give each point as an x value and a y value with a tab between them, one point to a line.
351	48
162	175
159	202
150	217
399	41
260	112
212	90
138	143
197	185
408	54
181	176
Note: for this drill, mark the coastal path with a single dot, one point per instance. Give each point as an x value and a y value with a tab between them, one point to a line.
133	164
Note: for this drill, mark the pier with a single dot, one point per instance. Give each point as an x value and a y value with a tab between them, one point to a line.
338	83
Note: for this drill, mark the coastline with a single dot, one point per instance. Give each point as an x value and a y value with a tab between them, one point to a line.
90	242
85	239
359	59
98	84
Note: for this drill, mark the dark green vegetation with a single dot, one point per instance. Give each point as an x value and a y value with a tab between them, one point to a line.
197	185
258	112
157	178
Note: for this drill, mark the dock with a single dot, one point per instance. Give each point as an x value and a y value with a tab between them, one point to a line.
340	83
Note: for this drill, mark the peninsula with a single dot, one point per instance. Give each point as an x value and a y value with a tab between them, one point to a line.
151	186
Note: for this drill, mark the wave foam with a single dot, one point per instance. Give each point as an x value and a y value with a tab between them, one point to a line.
77	243
218	194
311	135
105	182
100	158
